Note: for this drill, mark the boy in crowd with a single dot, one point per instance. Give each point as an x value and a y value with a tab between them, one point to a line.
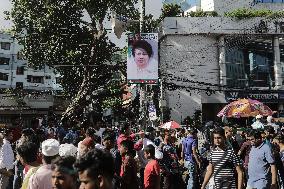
96	170
152	170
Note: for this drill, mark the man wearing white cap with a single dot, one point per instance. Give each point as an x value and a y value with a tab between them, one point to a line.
257	124
66	150
270	122
42	177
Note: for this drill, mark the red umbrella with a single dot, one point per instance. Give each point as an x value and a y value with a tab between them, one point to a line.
171	125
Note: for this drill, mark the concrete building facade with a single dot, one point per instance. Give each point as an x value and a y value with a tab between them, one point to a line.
37	86
222	6
210	61
14	71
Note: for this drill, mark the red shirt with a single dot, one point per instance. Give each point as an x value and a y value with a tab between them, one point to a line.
152	175
123	137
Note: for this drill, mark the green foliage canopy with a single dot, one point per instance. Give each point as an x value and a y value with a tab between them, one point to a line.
245	13
71	33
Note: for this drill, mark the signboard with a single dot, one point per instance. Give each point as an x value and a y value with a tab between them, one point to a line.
263	96
43	101
142	58
152	112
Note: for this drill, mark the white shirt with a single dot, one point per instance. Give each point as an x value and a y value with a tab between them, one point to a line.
275	126
99	146
140	153
79	150
257	125
6	155
150	72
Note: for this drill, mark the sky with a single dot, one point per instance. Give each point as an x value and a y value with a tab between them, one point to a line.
152	6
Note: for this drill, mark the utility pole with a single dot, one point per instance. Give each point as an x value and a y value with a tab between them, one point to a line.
142	16
142	87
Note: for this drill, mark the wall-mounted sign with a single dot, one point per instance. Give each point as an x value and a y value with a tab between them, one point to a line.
265	96
142	59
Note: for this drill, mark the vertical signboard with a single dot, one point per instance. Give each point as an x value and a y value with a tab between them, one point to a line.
142	58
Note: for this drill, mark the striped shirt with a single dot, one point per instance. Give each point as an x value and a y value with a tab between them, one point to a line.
224	163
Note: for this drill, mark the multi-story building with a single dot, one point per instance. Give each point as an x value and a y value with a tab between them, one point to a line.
208	61
186	5
222	6
15	73
37	85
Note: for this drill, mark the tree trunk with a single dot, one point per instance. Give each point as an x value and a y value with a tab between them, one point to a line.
76	108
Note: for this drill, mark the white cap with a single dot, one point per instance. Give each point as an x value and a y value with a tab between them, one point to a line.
258	116
50	147
67	150
269	119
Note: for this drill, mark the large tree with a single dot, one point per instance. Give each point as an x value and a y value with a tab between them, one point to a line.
71	32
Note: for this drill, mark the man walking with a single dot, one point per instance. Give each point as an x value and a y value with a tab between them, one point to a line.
261	168
222	164
190	158
6	159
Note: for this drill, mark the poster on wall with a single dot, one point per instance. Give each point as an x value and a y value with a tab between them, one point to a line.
142	58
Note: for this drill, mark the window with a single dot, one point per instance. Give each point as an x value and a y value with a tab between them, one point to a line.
4	76
29	78
19	85
58	79
35	79
4	61
20	70
47	77
5	45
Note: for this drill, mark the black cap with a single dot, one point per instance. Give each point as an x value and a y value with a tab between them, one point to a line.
150	129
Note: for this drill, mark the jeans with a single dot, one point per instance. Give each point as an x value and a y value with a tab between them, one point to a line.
192	182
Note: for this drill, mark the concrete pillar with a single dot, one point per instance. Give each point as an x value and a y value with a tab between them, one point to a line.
277	63
222	61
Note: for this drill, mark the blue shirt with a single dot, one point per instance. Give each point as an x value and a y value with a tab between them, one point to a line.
188	143
260	159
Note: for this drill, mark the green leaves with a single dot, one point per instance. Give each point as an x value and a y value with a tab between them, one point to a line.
70	35
171	10
202	13
245	13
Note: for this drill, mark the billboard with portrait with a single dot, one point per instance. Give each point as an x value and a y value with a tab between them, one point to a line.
142	58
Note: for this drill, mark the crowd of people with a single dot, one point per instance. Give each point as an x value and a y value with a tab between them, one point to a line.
128	157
